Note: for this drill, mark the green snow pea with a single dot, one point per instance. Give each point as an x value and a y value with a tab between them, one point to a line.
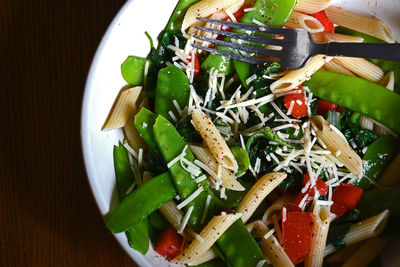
144	121
270	135
243	70
132	70
242	159
138	236
239	246
375	201
270	12
172	84
141	203
171	145
357	94
158	221
378	156
386	65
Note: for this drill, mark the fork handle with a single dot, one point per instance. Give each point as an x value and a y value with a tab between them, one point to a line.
366	50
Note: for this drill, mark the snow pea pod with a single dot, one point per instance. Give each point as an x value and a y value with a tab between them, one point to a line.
171	145
242	159
172	84
141	203
270	135
378	156
375	201
386	65
176	19
362	96
132	70
272	13
144	121
138	236
239	246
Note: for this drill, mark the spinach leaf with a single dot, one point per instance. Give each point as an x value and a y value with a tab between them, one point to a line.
187	131
337	233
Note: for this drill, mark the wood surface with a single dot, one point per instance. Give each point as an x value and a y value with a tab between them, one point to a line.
48	216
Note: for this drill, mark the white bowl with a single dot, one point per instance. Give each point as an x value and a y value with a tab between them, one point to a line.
125	36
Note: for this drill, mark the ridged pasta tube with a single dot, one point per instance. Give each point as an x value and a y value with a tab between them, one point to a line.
303	21
312	6
337	145
361	67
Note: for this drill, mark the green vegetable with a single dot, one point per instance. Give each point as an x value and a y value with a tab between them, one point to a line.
213	263
337	233
350	126
270	135
144	121
171	145
242	159
352	216
132	70
243	70
138	236
334	118
187	131
158	221
378	156
355	93
172	84
270	12
176	19
141	203
233	198
239	246
375	201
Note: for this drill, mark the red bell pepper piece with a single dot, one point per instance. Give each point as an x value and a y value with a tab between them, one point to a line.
196	62
299	103
325	21
320	185
238	16
345	197
169	243
323	106
297	232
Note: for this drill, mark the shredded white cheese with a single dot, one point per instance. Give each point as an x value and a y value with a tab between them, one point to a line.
190	198
185	220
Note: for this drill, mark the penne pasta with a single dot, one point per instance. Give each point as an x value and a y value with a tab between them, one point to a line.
367	252
312	6
227	178
213	139
270	246
204	9
341	38
361	67
209	255
366	123
303	21
213	230
258	192
276	207
342	254
296	77
122	109
368	25
363	230
133	137
336	67
337	145
322	221
174	216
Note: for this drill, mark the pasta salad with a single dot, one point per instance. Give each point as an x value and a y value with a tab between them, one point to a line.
224	163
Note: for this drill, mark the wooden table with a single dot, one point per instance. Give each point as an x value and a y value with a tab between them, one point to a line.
48	216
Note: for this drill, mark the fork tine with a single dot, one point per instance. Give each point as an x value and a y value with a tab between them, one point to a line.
254	28
246	37
252	49
251	60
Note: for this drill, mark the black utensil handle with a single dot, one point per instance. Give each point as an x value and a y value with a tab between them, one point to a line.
366	50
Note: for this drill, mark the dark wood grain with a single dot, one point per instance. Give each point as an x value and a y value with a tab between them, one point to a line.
48	216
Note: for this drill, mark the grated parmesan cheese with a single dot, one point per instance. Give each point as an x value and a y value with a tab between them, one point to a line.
190	198
185	220
203	217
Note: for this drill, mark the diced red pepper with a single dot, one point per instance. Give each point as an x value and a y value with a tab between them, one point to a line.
169	243
345	197
299	103
238	16
297	232
323	106
320	185
196	67
325	21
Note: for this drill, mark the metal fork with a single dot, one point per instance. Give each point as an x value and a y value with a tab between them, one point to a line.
297	45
